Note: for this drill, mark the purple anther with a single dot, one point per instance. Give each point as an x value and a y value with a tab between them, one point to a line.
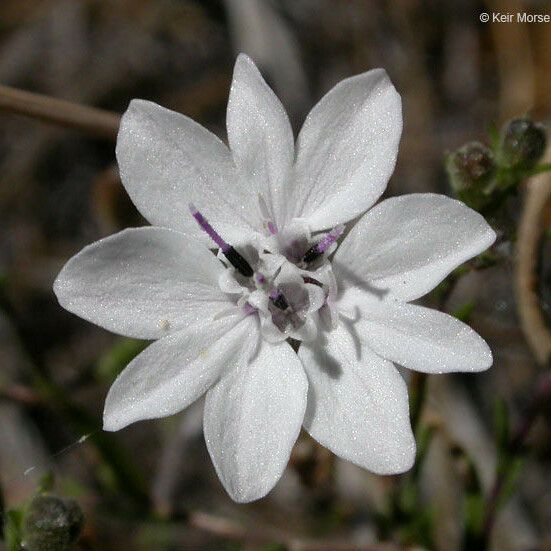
248	309
274	294
272	228
315	251
330	238
210	231
260	278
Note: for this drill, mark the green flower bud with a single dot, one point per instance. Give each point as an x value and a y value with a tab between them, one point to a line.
470	169
51	524
523	143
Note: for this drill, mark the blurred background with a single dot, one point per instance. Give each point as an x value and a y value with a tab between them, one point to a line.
152	486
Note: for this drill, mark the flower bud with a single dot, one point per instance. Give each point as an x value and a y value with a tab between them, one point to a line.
470	168
523	143
51	524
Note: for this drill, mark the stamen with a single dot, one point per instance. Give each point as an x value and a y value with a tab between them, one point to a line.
234	258
278	300
238	262
311	280
248	309
330	238
315	251
260	278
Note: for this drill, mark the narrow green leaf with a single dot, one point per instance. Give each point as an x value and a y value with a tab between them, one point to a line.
12	529
46	483
463	313
118	357
511	477
502	428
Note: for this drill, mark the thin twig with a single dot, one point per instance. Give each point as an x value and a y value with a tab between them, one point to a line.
97	122
531	227
21	394
228	529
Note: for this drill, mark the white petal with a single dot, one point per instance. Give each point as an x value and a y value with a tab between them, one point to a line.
308	331
260	135
346	150
357	404
407	245
175	371
228	283
252	419
416	337
168	161
143	283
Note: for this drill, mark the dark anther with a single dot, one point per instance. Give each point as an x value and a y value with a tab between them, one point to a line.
311	254
311	280
280	302
238	262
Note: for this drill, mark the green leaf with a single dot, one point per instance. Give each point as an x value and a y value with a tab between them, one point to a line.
46	483
493	134
424	436
474	513
509	484
474	504
463	313
118	357
502	428
12	530
485	260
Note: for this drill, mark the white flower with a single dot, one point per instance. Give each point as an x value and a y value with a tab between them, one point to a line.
221	323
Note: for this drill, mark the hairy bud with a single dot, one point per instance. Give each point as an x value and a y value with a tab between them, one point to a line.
470	168
51	524
523	143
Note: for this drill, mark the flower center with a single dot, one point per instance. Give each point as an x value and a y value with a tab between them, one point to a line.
286	281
